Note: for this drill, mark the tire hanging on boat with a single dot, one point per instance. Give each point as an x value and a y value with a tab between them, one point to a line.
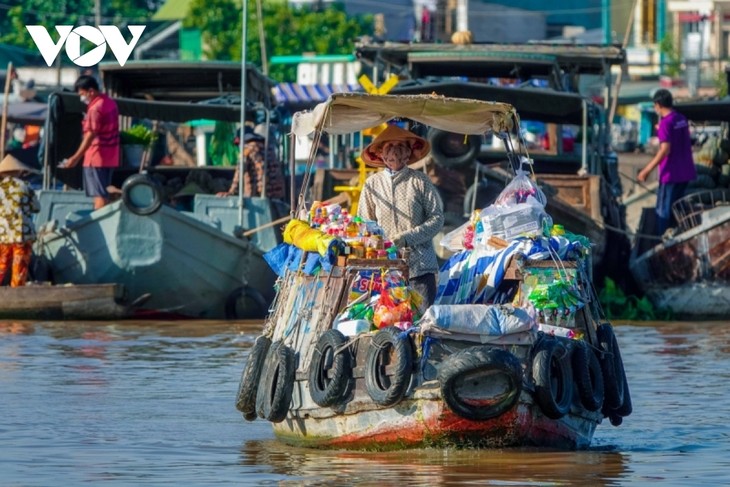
388	366
453	150
612	367
277	383
250	377
588	376
330	370
258	309
553	378
478	366
139	205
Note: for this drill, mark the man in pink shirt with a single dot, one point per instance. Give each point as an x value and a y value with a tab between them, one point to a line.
100	143
674	158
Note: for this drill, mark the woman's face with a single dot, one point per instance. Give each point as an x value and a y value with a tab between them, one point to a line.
395	155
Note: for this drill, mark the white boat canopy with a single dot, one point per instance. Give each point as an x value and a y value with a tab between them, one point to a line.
345	113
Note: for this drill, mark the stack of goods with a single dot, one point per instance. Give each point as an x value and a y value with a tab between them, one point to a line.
515	226
379	299
361	238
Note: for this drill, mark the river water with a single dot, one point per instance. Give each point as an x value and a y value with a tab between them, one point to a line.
153	403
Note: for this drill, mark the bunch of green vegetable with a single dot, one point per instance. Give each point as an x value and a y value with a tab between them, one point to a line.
137	135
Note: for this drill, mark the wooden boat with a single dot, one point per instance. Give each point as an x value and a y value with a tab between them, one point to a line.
66	302
447	380
192	263
689	272
188	268
581	179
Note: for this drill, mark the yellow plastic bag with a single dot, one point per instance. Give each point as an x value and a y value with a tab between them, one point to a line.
301	235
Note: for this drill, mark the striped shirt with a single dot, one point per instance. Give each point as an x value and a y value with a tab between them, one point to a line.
409	209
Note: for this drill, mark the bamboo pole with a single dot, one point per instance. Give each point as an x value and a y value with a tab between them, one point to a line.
6	102
617	87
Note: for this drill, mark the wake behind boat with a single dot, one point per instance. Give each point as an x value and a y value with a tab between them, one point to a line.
515	351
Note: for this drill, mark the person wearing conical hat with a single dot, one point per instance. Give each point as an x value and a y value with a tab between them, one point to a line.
404	202
17	204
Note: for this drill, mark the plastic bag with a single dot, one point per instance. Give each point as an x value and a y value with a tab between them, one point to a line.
519	190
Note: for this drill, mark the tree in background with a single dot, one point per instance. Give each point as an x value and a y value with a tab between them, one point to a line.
68	12
288	31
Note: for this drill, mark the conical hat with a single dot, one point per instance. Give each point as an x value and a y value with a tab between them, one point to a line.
10	163
419	146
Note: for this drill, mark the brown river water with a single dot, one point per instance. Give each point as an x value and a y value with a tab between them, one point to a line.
149	403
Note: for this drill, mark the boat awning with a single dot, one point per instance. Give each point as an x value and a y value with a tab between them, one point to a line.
29	112
299	96
536	104
183	81
344	113
706	111
164	111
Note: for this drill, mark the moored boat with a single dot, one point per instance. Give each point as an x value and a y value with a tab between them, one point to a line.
514	352
687	271
67	302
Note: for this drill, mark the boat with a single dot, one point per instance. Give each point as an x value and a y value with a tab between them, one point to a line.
490	364
204	262
67	302
688	272
579	173
187	267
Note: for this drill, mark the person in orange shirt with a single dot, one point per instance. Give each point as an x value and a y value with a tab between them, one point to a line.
99	146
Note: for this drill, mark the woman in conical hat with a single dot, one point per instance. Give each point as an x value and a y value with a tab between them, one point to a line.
404	202
17	204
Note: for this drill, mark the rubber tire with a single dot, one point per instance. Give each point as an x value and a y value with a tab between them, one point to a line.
277	383
588	376
612	368
250	378
261	308
554	399
626	406
141	180
479	359
329	391
436	136
387	390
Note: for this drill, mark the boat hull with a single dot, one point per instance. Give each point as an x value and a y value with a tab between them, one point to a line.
690	274
188	268
426	421
70	302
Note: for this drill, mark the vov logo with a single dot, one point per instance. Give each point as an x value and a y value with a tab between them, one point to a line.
101	37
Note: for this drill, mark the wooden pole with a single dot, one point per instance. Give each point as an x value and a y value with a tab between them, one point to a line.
6	102
617	87
262	38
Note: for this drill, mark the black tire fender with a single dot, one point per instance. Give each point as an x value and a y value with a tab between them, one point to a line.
141	204
258	310
440	138
612	367
277	383
330	370
553	378
588	376
250	377
472	366
388	366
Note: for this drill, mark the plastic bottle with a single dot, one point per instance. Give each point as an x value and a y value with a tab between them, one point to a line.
557	230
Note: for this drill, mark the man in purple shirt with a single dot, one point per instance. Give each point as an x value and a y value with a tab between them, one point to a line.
676	167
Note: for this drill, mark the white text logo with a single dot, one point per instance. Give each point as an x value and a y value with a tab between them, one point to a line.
100	37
